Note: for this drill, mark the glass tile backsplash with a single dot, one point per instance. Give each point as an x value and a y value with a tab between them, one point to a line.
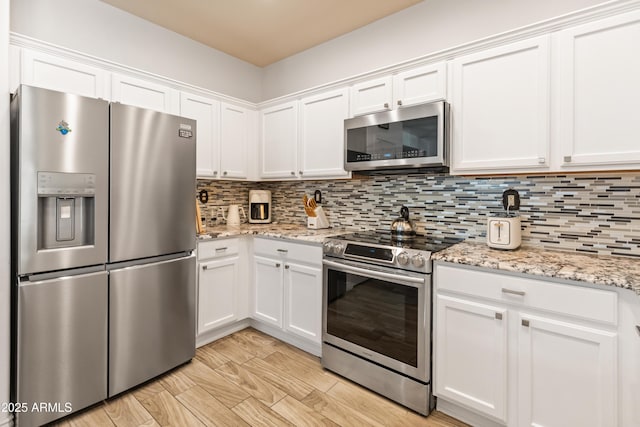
594	213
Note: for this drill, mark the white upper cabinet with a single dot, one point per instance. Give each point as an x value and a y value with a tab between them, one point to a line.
279	141
598	93
207	113
410	87
500	108
141	93
420	85
64	75
372	96
322	134
234	140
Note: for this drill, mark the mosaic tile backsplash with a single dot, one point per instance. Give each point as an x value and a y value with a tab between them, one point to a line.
595	213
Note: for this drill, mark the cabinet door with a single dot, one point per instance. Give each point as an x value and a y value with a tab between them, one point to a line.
50	72
599	91
322	134
207	112
567	374
234	135
420	85
303	301
217	293
500	108
279	141
371	96
471	355
144	94
267	293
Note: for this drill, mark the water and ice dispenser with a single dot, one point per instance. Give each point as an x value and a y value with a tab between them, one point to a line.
66	209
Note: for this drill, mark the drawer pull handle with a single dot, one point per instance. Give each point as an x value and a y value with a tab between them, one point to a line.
499	316
284	251
221	249
525	323
509	291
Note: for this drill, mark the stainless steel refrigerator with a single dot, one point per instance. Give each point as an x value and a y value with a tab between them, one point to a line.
102	249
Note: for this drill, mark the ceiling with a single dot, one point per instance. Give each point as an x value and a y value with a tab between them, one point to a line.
262	32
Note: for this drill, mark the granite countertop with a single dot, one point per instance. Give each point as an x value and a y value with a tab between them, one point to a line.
275	230
598	269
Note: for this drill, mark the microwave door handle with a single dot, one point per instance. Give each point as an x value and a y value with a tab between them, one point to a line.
414	282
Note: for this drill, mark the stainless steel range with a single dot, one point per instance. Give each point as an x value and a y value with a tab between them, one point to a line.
376	325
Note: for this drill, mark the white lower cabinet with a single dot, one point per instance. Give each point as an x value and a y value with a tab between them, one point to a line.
303	301
525	352
218	280
472	355
287	292
566	373
268	290
222	285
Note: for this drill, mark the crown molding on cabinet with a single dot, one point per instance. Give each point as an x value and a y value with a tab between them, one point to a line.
23	41
548	26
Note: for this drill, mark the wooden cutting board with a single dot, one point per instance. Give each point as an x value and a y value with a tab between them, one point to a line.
199	229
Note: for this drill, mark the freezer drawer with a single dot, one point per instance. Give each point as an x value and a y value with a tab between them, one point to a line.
153	174
152	320
61	345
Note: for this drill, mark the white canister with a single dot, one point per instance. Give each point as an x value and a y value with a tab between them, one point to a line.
504	232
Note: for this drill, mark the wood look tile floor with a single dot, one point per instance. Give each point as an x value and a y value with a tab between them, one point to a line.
252	379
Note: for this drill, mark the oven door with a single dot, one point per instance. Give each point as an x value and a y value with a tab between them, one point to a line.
380	314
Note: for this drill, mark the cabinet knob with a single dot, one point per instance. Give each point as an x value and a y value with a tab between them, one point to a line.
638	328
399	102
525	322
224	173
300	172
277	264
204	267
567	159
293	173
386	105
499	316
286	266
215	172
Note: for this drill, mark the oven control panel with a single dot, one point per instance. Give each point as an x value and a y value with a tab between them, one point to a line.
390	256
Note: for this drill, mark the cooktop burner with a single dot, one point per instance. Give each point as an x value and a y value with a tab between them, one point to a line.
383	248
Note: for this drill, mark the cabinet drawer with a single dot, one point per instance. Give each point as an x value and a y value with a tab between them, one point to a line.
570	300
309	254
217	248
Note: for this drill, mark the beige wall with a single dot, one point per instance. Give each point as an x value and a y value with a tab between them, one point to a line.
4	209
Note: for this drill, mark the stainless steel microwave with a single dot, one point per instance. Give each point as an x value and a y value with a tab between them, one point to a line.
411	137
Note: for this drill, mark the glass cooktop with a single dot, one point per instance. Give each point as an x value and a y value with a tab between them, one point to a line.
386	238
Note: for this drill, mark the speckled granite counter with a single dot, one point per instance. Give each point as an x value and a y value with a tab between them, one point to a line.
279	231
602	270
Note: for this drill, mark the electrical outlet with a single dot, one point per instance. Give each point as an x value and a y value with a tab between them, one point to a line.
511	200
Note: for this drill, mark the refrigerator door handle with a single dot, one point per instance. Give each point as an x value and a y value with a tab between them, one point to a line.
147	261
40	277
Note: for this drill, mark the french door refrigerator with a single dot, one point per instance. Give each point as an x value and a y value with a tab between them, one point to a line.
103	295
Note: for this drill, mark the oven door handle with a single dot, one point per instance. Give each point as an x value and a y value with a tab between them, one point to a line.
374	274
